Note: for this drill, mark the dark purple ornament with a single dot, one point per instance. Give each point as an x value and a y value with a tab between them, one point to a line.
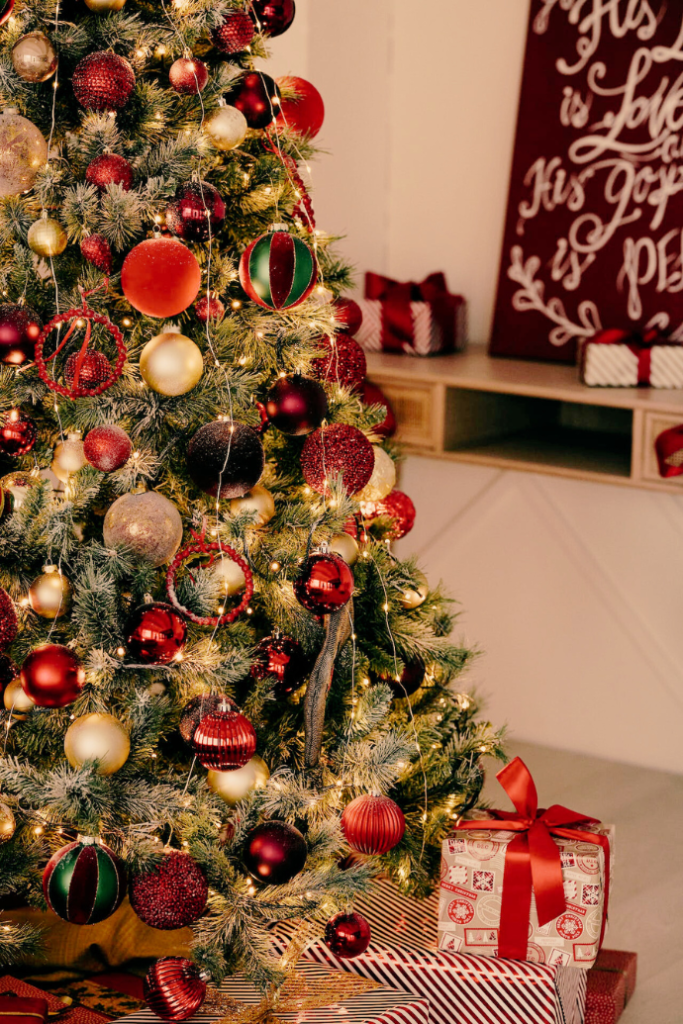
197	213
225	459
274	17
411	678
20	328
347	935
257	96
275	852
296	405
282	658
324	584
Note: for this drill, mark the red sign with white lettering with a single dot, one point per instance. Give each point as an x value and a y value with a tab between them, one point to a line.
594	229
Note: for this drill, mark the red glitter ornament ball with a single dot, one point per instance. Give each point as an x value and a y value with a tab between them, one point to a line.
174	988
304	113
8	620
372	824
188	76
372	395
234	34
324	584
209	308
345	364
276	851
273	17
109	169
257	96
196	213
337	450
296	405
348	314
224	740
95	368
155	633
96	250
103	81
20	328
160	277
347	935
172	895
18	433
282	658
107	448
397	506
52	676
197	709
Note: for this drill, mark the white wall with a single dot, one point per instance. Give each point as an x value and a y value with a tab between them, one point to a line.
573	590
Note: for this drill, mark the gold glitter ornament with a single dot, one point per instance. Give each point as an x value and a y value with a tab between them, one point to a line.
47	237
50	594
226	127
148	524
344	544
34	57
257	500
68	457
171	364
235	786
8	824
382	480
16	701
97	736
23	151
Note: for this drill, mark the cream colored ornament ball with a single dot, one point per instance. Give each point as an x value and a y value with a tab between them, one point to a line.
226	127
47	237
413	598
16	701
50	594
148	524
228	576
257	500
382	480
344	544
104	6
68	457
8	824
34	57
235	786
97	736
171	364
23	151
17	485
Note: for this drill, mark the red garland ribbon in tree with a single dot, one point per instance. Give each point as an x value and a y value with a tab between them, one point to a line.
304	207
202	548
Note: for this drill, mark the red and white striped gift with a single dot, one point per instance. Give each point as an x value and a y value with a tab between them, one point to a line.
410	318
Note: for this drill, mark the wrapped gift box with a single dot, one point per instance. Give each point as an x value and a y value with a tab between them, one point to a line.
621	962
22	1010
55	1005
606	997
422	319
616	358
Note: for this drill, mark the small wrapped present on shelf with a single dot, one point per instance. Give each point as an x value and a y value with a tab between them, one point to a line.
528	884
611	983
627	359
414	319
48	1006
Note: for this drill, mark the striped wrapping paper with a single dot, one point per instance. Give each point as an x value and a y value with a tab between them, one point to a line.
461	989
618	366
428	335
381	1006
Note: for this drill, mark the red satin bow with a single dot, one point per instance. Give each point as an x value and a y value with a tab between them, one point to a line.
397	327
532	859
639	344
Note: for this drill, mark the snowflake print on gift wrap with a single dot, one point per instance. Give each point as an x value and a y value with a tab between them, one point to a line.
460	911
569	926
483	881
590	895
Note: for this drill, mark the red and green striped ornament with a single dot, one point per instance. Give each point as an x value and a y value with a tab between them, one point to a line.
84	882
278	270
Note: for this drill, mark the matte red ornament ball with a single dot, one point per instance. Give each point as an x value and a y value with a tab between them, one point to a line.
372	824
18	433
224	741
20	328
372	395
347	935
348	314
274	16
324	584
188	76
338	450
174	988
95	368
296	405
103	81
171	895
155	633
52	676
257	97
397	506
109	169
160	277
107	448
8	620
209	308
345	363
305	112
96	250
234	34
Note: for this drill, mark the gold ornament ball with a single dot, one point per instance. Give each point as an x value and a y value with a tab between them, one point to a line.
17	485
68	457
104	6
34	57
23	151
8	825
382	480
259	501
414	598
228	576
16	701
344	544
171	364
148	524
50	594
226	128
47	237
97	736
235	786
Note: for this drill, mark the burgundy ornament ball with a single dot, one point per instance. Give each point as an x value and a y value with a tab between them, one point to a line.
347	935
273	17
155	633
372	824
337	450
372	395
8	620
107	448
304	113
396	506
345	363
234	34
209	308
109	169
225	459
172	895
18	433
95	368
281	657
275	852
96	250
103	81
348	314
324	584
196	213
296	405
224	740
173	988
257	97
410	680
197	709
52	676
188	76
20	328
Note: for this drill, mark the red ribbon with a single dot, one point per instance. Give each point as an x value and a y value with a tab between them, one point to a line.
532	859
669	450
640	345
398	332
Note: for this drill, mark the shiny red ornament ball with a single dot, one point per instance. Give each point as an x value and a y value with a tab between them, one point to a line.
234	34
155	633
324	584
282	658
188	76
196	213
409	681
257	97
224	741
197	709
337	450
345	363
96	250
397	506
103	81
174	988
20	328
372	824
95	368
296	405
160	277
107	448
8	620
52	676
348	314
109	169
209	308
225	459
171	895
305	112
276	851
273	17
372	395
18	433
347	935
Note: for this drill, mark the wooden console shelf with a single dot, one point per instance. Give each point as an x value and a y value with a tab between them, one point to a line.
516	414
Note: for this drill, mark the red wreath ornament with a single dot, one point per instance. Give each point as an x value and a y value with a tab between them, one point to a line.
87	317
201	547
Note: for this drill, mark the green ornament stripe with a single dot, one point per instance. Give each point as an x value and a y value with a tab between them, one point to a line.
304	268
107	893
60	882
259	269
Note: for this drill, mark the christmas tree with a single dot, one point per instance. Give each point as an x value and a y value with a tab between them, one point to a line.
222	689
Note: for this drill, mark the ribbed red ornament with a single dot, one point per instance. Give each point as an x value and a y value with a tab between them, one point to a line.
372	824
224	741
174	988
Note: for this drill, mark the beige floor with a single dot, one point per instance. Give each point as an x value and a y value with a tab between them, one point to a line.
646	912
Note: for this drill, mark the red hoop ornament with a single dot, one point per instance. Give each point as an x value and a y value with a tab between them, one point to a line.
91	317
202	548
